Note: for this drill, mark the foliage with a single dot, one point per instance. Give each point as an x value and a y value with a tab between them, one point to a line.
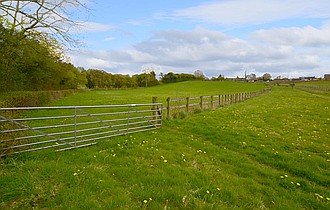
172	77
199	75
32	98
146	79
219	78
266	77
26	63
31	52
101	79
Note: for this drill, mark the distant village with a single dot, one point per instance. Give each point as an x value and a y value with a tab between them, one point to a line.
267	77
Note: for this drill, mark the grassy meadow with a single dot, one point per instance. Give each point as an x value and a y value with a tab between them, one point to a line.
269	152
144	95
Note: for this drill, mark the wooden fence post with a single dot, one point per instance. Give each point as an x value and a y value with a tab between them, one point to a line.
220	98
211	102
168	107
187	105
201	102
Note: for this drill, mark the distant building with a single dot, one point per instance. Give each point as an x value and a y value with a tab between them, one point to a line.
307	78
327	76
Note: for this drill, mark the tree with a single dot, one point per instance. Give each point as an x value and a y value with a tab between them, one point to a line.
171	77
199	75
23	62
251	77
266	77
150	69
221	77
31	55
26	64
35	17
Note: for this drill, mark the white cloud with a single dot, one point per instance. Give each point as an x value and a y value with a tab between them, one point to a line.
90	27
239	12
306	36
216	53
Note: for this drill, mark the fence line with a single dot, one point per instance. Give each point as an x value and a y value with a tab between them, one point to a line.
313	88
175	106
25	129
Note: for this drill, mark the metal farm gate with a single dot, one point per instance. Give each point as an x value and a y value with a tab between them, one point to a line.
26	129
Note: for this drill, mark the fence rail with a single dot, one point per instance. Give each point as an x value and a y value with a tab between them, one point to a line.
314	88
26	129
190	104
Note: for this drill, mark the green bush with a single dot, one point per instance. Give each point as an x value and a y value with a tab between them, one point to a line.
32	98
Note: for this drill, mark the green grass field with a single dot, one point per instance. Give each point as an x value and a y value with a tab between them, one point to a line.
144	95
269	152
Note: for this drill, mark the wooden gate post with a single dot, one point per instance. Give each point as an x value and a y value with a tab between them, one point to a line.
187	105
201	103
168	107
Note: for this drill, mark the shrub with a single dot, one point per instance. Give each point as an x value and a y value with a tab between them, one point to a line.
32	98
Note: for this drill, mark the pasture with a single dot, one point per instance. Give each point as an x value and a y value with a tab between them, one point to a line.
269	152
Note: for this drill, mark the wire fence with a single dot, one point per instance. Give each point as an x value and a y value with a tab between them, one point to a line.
175	106
314	88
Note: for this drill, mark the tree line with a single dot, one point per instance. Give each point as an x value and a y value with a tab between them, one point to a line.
101	79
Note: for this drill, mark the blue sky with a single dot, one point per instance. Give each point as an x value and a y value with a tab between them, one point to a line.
287	38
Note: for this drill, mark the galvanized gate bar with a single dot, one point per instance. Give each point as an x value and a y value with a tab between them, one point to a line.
87	124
